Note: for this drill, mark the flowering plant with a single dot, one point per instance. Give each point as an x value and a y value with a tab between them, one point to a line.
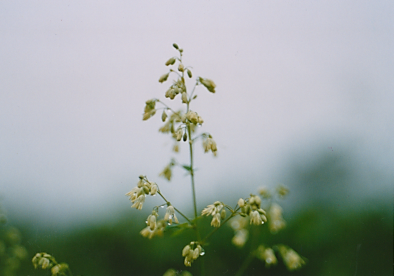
182	125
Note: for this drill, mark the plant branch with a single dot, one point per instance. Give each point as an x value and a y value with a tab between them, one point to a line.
217	228
175	208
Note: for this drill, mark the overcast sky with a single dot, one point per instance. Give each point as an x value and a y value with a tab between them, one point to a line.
300	78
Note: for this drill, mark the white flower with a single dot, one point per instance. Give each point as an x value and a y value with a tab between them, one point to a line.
255	218
216	220
212	209
170	215
134	193
291	259
240	237
153	189
139	202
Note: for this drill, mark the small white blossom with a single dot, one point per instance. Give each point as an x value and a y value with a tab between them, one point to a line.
170	215
255	218
139	202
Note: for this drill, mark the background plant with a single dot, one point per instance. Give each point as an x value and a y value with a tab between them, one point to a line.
12	252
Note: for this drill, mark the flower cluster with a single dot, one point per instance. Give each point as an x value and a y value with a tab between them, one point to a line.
209	144
182	125
216	211
173	272
276	221
167	172
46	261
251	207
194	118
177	88
267	255
149	110
191	252
241	234
209	84
154	227
43	260
137	194
291	259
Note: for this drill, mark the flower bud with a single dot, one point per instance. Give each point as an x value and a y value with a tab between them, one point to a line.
200	120
184	97
177	90
185	137
152	222
223	214
164	116
192	117
186	250
181	68
168	92
175	46
164	77
56	269
241	202
171	61
209	84
179	134
189	73
175	148
196	253
154	188
146	190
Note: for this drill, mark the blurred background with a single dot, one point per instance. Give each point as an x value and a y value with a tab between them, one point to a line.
304	99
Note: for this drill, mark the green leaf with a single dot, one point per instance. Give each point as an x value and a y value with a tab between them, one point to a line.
188	168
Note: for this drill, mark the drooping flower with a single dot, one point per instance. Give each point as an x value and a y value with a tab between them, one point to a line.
214	210
191	252
170	215
209	84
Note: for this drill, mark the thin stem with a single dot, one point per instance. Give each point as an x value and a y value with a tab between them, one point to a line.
217	228
192	173
191	95
169	108
174	207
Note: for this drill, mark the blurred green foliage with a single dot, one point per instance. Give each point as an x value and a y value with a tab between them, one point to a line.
334	244
357	240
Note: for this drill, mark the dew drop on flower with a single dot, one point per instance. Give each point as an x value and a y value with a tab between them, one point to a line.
202	253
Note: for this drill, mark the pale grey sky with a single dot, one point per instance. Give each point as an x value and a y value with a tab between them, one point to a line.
292	77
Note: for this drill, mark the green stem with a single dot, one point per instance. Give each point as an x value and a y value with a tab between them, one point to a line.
174	207
217	228
189	133
192	173
169	108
